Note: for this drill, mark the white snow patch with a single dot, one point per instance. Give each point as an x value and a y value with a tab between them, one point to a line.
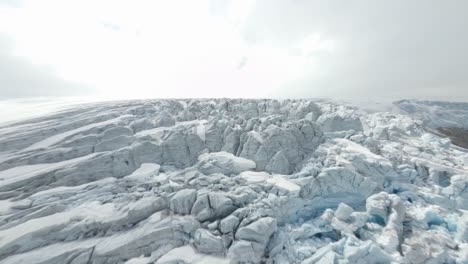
16	110
280	181
146	171
350	146
4	156
257	136
59	137
187	254
139	260
241	163
159	130
5	207
92	211
201	129
23	173
73	189
255	176
465	161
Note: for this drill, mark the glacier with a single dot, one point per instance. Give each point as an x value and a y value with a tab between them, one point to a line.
235	181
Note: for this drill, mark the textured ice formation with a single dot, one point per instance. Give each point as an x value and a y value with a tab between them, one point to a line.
437	114
234	181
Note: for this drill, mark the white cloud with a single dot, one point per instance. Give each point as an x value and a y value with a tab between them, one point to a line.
150	48
244	48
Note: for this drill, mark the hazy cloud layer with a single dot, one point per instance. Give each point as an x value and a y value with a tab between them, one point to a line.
14	3
391	48
19	77
246	48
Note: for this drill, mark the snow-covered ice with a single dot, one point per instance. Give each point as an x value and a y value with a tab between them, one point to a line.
234	181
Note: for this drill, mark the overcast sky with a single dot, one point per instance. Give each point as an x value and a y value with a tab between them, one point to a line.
234	48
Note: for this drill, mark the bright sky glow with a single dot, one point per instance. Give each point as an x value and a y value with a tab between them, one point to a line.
145	48
129	49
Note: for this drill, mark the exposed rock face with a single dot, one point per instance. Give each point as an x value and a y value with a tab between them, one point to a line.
458	136
234	181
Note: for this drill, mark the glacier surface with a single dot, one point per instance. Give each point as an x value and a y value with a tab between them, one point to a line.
234	181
